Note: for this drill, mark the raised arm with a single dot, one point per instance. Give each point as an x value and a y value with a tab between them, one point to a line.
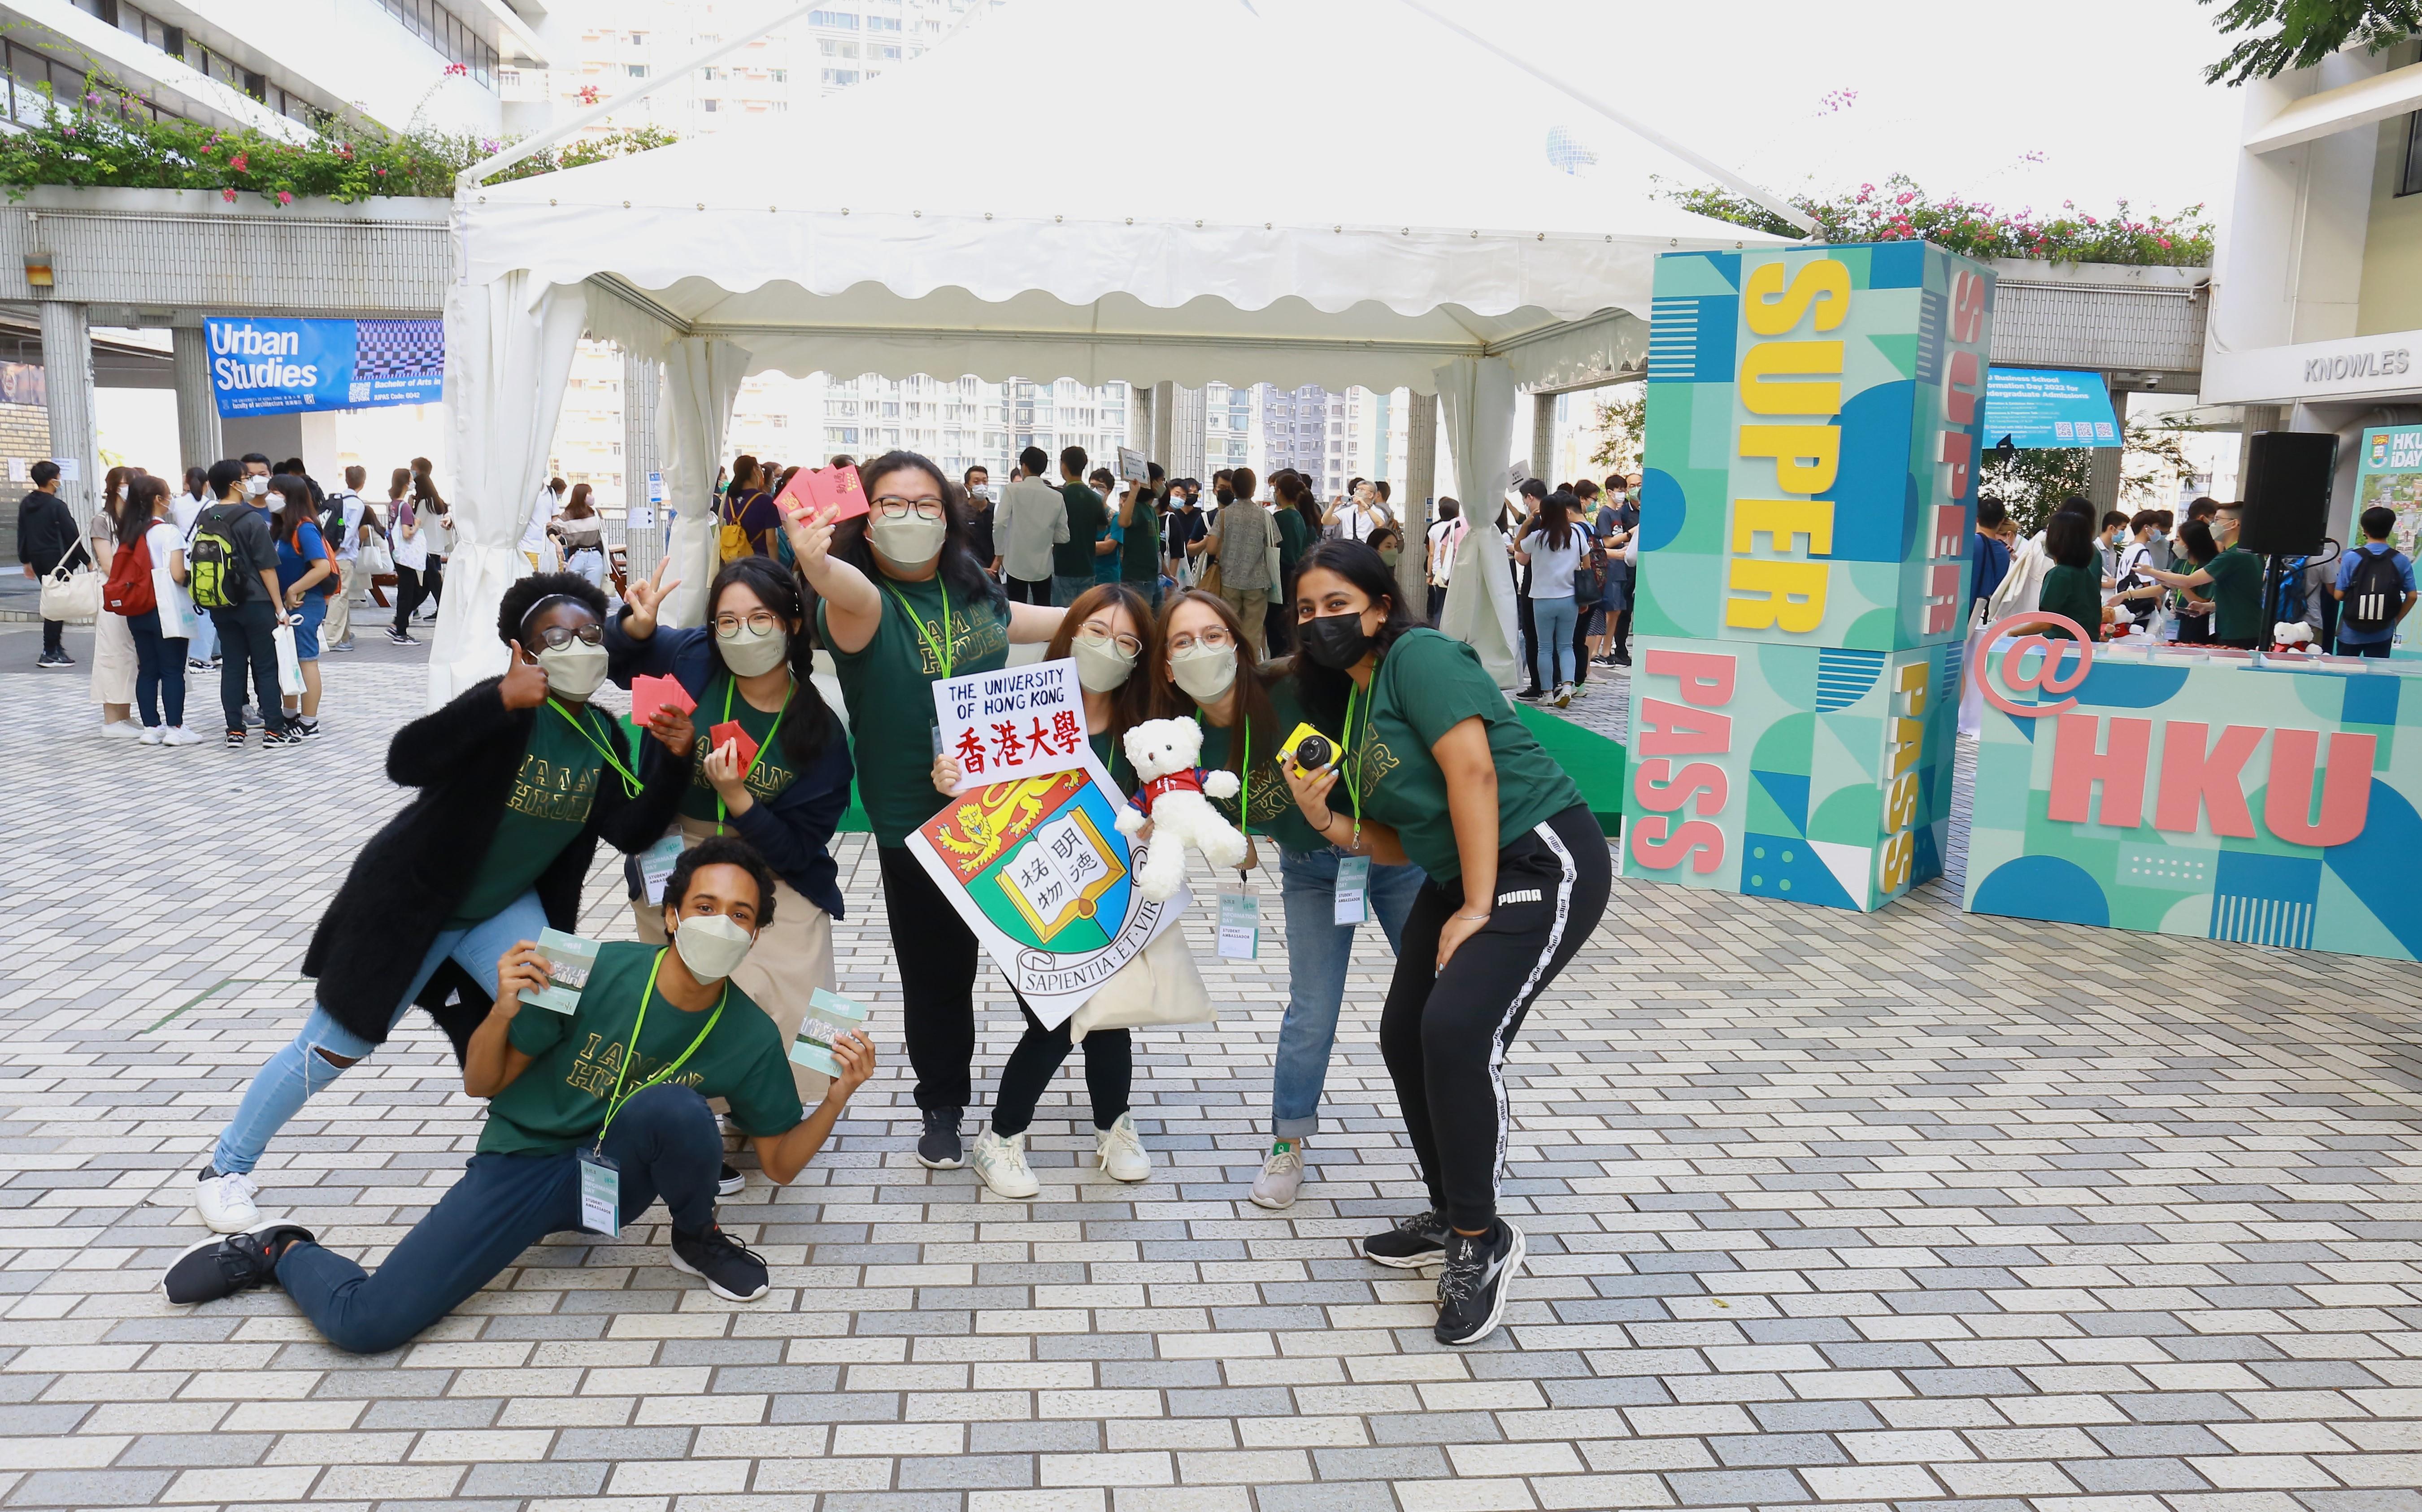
853	604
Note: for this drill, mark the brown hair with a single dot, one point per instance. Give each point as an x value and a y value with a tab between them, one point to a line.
577	507
1261	716
1134	701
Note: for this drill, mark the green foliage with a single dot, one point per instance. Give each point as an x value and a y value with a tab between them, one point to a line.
1623	429
2306	32
103	140
1900	210
2032	483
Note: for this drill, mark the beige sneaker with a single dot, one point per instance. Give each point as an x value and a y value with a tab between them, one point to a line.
1119	1150
1000	1162
1281	1175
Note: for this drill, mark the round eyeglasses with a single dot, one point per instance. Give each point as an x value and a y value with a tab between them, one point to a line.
1099	639
758	622
557	637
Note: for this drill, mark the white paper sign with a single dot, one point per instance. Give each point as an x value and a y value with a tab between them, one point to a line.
655	488
70	469
1019	721
17	469
642	518
1132	464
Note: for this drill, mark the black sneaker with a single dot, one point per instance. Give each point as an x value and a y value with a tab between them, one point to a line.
279	739
219	1266
399	638
730	1270
731	1183
938	1148
1476	1282
53	660
307	729
1416	1242
235	740
1532	695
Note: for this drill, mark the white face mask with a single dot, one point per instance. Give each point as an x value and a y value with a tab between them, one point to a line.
1100	669
909	543
573	671
1205	673
712	946
752	653
256	485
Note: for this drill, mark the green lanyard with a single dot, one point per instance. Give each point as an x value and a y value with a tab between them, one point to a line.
942	651
1350	766
728	688
614	1103
630	783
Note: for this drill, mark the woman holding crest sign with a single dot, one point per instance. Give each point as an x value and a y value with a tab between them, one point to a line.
901	602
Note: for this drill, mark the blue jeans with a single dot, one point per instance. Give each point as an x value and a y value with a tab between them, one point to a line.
665	1141
1318	952
1553	644
159	670
301	1066
205	643
1064	588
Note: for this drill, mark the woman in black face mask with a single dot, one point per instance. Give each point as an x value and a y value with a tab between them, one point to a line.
1436	768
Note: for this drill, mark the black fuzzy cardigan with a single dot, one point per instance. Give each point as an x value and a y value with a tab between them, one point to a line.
406	882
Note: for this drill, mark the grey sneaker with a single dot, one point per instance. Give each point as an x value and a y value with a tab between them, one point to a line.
1282	1176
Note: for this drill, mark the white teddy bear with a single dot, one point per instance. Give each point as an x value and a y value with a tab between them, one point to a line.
1175	796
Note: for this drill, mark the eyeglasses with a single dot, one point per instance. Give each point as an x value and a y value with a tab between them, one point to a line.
1095	637
1216	637
557	637
760	622
892	507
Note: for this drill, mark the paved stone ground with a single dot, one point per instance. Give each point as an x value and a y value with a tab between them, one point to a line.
1909	1208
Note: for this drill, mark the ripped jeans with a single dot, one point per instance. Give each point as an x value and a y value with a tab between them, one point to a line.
303	1066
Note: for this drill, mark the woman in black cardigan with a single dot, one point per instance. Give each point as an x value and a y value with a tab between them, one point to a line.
518	778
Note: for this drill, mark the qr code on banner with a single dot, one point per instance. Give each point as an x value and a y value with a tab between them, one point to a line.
398	349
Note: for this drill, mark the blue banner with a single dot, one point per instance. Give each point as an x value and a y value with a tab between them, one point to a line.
276	367
2040	407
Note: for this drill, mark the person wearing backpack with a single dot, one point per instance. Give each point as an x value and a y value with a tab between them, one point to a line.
2374	588
233	564
150	562
202	651
306	574
341	526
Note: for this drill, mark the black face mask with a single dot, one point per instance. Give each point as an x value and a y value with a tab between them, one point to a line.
1335	641
1224	496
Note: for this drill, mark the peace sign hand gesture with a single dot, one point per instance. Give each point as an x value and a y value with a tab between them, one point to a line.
645	596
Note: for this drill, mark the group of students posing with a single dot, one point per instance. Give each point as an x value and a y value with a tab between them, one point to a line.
1485	871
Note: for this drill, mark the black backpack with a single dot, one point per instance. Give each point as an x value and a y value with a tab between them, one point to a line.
332	519
2374	592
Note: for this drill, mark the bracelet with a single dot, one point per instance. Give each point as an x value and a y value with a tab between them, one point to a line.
1482	916
1322	827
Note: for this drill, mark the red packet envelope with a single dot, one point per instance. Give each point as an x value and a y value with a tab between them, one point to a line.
730	730
837	488
649	694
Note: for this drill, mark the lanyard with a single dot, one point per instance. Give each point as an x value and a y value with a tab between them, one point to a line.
630	783
770	733
631	1051
941	651
1353	763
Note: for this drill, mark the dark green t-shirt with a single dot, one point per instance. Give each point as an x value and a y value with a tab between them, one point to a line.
1088	517
2236	594
1294	538
1113	757
1425	685
771	774
888	686
2077	593
561	1098
1272	805
1139	559
547	811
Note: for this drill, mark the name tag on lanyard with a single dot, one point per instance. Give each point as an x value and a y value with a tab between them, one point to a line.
1353	888
601	1203
1240	930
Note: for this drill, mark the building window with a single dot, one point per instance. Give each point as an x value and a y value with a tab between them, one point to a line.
635	70
841	76
838	19
2410	181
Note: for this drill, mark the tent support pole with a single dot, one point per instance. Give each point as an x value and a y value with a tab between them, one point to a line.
1713	169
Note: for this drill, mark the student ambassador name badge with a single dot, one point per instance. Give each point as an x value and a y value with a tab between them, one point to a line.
1039	870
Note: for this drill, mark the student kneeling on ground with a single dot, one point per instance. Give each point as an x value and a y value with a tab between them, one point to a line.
610	1098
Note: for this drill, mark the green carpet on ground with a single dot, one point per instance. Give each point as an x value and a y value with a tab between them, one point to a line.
1595	763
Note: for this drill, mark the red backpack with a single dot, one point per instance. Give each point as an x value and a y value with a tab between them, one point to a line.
128	591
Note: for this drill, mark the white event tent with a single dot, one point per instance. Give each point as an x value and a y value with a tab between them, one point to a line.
1332	192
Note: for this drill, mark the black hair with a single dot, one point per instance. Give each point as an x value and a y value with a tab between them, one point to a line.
1559	506
809	727
2202	507
225	473
2079	505
973	469
2113	517
1072	460
1532	488
2068	538
1034	460
1449	507
958	569
1155	471
197	478
251	457
1323	689
43	471
2377	521
135	515
525	593
295	511
1990	513
2143	518
2196	536
723	850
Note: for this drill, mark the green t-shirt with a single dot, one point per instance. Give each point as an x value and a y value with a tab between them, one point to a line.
561	1098
1087	518
2236	594
888	686
1113	757
771	774
1139	559
1272	806
548	808
2077	593
1425	685
1294	538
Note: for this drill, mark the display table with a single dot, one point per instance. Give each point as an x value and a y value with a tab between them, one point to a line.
2212	793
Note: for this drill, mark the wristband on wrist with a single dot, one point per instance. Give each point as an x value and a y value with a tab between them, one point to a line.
1482	916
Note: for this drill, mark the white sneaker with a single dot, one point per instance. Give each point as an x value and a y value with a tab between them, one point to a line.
1563	694
1000	1162
1118	1151
226	1202
122	729
180	736
1281	1175
151	737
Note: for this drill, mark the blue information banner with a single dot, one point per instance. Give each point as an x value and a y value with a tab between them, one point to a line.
276	367
2040	407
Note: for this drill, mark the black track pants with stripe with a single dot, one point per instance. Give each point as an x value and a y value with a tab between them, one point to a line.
1445	1033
